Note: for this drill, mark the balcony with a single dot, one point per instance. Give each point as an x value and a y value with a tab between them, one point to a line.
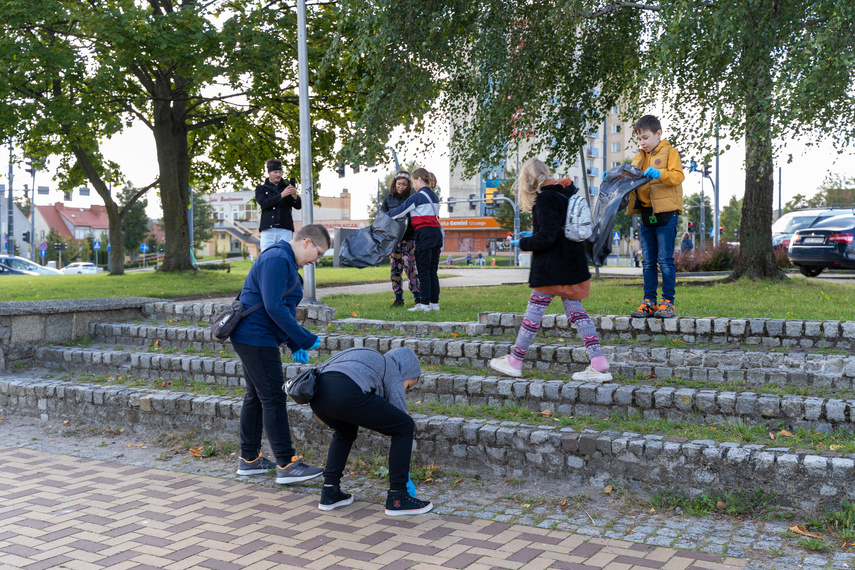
591	151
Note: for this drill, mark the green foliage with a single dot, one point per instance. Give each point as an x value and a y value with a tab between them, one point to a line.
134	220
836	189
503	212
203	220
730	218
739	503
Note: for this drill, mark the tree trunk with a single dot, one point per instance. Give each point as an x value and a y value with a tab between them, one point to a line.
170	135
117	252
756	256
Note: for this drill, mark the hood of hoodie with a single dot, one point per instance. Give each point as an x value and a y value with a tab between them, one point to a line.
403	363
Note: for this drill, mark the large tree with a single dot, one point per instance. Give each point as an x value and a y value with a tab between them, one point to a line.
511	71
214	81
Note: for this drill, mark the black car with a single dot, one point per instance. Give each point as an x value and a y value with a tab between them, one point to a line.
829	244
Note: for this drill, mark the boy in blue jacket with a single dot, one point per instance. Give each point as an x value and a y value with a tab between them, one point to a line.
274	281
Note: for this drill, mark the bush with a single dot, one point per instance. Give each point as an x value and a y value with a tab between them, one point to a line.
782	258
227	267
723	257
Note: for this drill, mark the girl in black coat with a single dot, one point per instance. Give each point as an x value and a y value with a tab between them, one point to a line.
558	268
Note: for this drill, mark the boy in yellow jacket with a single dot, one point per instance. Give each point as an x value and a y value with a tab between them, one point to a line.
659	203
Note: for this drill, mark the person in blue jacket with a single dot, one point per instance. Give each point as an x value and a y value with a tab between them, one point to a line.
274	281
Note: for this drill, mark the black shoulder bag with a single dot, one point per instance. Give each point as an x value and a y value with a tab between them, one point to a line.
226	322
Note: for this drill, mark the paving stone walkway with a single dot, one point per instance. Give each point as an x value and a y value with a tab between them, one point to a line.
59	511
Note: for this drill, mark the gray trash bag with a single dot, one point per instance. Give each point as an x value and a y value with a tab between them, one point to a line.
612	198
372	245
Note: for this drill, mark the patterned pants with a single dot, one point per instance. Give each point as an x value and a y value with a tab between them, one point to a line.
403	259
575	312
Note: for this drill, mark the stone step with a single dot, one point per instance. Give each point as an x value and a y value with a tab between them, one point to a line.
755	367
644	463
567	398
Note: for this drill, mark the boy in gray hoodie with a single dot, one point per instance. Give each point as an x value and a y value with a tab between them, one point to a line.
360	387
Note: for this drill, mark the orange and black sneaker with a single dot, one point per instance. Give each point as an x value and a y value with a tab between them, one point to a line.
647	309
665	310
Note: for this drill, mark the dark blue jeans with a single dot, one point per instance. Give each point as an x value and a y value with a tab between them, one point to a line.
657	247
344	407
264	403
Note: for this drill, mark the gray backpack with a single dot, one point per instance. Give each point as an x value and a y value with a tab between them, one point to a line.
578	225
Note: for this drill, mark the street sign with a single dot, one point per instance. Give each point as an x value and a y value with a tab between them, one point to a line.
43	246
616	236
712	232
42	253
96	245
143	247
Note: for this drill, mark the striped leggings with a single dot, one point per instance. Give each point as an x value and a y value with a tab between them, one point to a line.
575	313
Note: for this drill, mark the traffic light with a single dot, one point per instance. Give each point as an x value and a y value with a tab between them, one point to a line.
26	237
472	204
720	229
451	205
340	169
691	227
706	170
489	196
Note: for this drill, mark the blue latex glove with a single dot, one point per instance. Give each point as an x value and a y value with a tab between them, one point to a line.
525	234
317	344
652	172
514	242
604	175
300	356
411	489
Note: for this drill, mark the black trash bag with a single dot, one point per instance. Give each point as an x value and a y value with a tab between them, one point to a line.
372	245
613	197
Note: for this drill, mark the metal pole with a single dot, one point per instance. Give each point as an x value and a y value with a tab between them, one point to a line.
33	216
703	208
10	208
189	224
717	205
305	141
395	156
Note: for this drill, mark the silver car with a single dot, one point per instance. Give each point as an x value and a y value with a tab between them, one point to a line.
20	264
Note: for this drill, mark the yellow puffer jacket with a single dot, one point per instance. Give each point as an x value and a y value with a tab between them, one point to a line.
664	194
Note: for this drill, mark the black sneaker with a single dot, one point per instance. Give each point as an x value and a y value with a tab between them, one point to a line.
399	302
332	498
296	471
401	503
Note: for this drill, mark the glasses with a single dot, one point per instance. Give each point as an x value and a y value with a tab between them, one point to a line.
320	253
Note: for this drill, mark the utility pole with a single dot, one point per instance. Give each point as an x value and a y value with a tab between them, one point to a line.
305	142
10	206
703	235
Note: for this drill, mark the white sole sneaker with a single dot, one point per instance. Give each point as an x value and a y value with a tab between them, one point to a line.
434	307
419	308
591	375
503	365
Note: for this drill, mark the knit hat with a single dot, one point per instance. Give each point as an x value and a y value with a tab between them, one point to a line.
405	361
274	164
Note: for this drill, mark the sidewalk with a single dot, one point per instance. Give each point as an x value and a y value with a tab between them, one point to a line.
61	511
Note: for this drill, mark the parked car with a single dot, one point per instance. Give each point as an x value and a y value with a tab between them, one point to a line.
19	263
826	244
79	267
788	224
6	270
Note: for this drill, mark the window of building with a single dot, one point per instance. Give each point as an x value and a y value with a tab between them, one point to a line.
615	164
576	180
616	110
615	147
615	129
245	213
84	191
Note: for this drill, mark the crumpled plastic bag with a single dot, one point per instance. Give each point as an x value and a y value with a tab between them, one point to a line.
612	198
371	246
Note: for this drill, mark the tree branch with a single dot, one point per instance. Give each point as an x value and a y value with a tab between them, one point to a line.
137	195
618	5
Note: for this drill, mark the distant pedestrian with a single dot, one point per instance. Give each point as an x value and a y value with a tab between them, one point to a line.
403	256
480	260
559	267
360	387
276	198
636	257
422	208
468	259
686	244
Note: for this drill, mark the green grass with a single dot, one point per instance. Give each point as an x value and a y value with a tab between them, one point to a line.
740	503
796	298
161	285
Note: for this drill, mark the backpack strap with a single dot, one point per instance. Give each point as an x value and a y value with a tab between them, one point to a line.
260	304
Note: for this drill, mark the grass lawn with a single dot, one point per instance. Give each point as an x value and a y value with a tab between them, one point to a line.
161	285
796	298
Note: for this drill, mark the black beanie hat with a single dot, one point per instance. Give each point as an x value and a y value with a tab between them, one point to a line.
274	164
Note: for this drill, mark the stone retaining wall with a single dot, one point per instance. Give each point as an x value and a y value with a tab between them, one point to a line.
643	463
564	398
307	313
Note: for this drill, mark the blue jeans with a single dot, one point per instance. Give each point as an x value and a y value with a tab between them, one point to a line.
272	235
657	246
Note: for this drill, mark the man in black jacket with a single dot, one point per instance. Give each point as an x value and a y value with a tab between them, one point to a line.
276	198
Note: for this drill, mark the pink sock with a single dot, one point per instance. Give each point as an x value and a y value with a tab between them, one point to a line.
600	364
516	362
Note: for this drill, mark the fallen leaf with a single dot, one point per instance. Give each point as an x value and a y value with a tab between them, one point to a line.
454	335
458	481
720	505
546	413
353	314
652	511
651	375
785	433
608	489
835	447
771	436
800	529
139	445
564	505
195	451
845	546
428	480
65	423
156	343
